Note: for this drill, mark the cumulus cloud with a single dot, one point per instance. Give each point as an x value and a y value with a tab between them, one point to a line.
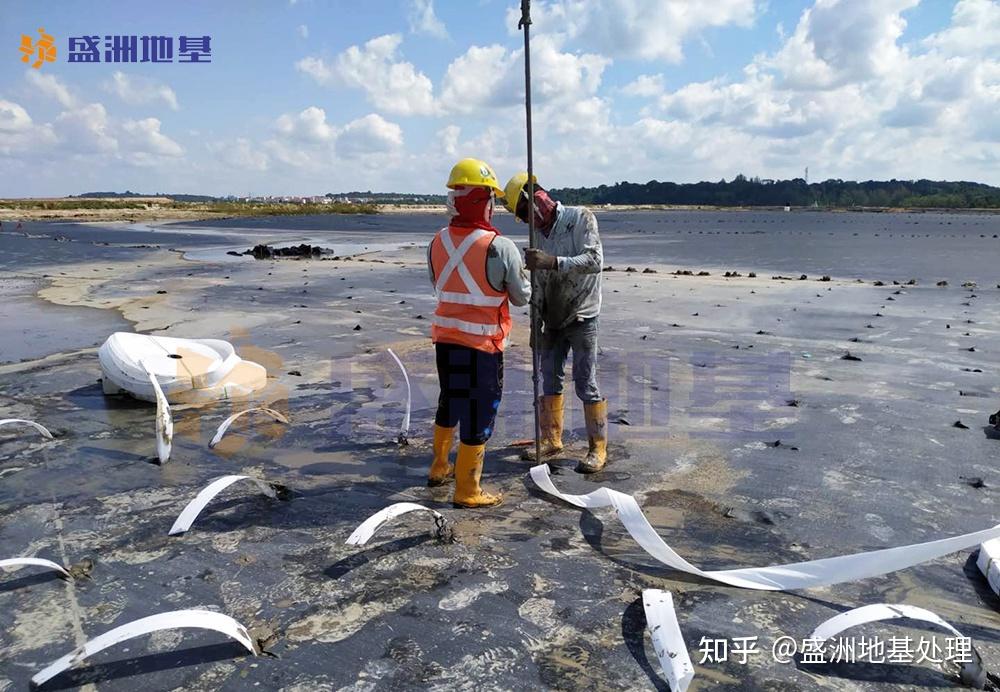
447	140
479	78
839	41
492	76
19	133
644	85
83	130
644	29
144	137
317	69
240	154
136	90
303	31
423	20
309	126
308	141
13	117
49	85
845	91
975	28
371	134
87	129
377	68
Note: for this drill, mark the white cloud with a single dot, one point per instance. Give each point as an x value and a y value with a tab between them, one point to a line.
309	126
83	130
240	154
644	85
306	141
317	69
13	117
50	85
479	78
975	28
136	90
447	140
391	84
844	91
556	74
491	76
144	137
371	134
840	41
19	133
303	31
644	29
86	129
423	20
589	117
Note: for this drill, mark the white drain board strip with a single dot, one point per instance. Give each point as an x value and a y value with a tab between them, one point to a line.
369	526
16	562
232	419
177	619
20	421
201	500
799	575
668	643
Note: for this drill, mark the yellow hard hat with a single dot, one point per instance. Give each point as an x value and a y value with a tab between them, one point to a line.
474	172
513	190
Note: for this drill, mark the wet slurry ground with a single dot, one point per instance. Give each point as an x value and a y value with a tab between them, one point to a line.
703	375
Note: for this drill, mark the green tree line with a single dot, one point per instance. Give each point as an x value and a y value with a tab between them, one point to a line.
743	191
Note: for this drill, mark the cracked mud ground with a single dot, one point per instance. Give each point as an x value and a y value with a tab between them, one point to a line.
533	594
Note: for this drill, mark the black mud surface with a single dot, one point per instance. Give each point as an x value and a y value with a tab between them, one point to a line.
817	457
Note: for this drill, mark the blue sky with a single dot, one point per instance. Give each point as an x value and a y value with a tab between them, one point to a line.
308	96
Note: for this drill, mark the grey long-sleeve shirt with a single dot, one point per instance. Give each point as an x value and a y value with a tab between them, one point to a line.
504	270
571	292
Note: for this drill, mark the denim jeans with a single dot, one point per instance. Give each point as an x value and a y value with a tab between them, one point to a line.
471	389
581	338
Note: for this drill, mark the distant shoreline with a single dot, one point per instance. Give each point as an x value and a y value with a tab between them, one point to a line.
156	210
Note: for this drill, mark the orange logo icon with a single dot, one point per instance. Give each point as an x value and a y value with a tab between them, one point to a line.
43	50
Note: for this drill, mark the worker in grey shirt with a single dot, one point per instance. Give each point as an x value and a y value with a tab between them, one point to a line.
568	263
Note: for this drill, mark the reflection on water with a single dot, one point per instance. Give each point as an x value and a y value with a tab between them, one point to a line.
926	246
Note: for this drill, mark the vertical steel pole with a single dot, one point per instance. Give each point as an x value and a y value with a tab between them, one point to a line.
525	24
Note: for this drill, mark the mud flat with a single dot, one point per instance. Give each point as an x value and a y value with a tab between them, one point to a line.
704	375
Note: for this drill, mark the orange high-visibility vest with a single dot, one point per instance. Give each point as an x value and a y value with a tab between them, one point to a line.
469	312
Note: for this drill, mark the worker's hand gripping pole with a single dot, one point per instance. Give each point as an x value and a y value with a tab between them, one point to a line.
525	24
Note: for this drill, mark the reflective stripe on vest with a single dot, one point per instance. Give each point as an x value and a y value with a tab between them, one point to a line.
469	299
470	311
467	327
456	261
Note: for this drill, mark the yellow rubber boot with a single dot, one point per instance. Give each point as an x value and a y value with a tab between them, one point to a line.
550	420
596	415
441	471
468	470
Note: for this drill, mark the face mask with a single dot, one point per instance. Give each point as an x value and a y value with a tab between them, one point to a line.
471	207
545	208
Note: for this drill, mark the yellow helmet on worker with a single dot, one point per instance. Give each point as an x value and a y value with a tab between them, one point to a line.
512	192
474	172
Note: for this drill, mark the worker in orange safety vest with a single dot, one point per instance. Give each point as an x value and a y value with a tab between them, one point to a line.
476	274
